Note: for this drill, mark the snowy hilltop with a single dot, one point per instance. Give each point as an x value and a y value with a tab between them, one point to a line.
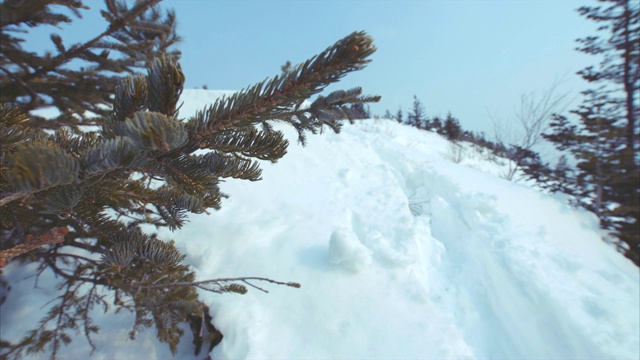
405	246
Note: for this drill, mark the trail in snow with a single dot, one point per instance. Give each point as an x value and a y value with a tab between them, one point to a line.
404	254
516	264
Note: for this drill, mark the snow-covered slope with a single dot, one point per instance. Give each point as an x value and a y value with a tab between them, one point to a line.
401	253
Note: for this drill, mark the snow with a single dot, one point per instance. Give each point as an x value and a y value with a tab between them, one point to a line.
401	252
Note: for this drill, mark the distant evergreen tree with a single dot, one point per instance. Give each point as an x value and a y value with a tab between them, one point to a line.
468	136
452	129
387	115
436	125
481	140
29	81
92	193
417	115
605	141
399	115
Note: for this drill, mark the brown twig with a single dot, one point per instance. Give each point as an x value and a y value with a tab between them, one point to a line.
220	280
9	198
55	236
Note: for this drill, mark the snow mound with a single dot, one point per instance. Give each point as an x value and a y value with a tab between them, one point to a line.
346	250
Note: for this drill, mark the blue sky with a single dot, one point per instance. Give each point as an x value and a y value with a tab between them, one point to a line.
470	57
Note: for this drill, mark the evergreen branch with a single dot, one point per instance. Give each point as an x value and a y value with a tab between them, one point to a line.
32	12
249	142
153	131
58	335
13	130
86	319
184	171
71	307
224	166
173	205
135	246
38	166
76	50
32	93
110	155
140	165
274	98
50	261
165	81
131	96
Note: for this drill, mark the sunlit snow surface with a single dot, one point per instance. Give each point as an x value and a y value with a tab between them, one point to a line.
401	253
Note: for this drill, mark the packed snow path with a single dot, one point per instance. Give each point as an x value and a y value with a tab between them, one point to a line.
404	254
401	253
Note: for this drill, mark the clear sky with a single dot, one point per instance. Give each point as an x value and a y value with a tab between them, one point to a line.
470	57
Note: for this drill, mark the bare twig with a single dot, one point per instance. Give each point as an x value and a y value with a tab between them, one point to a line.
12	197
530	121
55	236
203	283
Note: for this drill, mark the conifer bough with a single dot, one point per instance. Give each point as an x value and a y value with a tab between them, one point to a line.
93	191
281	98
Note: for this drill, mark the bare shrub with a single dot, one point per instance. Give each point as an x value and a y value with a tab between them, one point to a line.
518	136
455	152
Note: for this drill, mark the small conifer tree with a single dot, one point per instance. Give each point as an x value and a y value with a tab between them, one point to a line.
452	128
92	192
604	141
416	117
399	115
436	124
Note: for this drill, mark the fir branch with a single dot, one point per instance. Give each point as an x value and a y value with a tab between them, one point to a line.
275	98
165	81
130	97
33	95
141	165
39	166
264	145
153	131
77	49
111	155
221	165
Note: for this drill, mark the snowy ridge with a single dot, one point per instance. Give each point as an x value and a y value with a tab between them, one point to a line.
401	253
